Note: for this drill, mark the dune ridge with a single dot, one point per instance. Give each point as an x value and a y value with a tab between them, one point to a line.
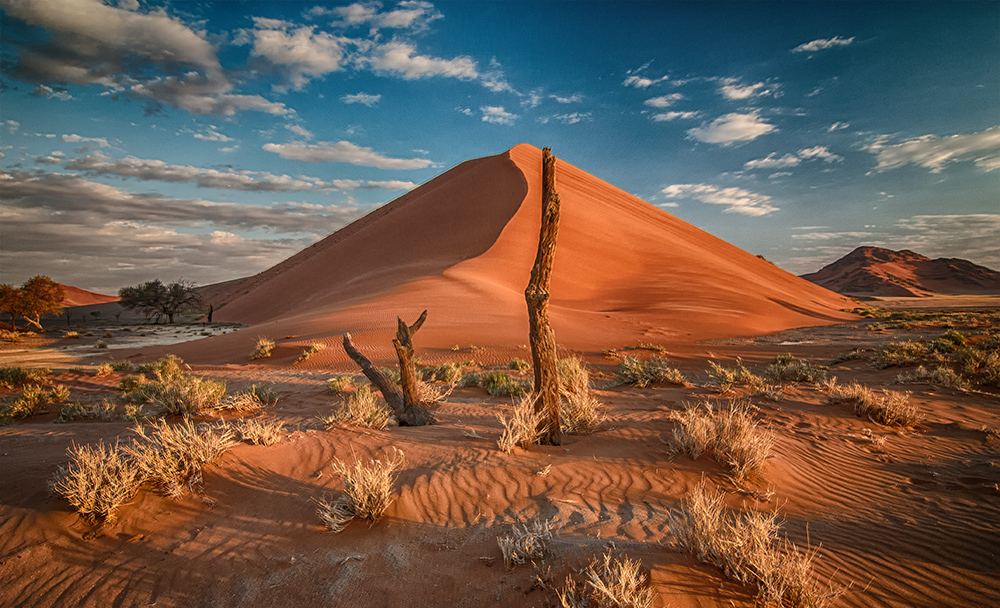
462	245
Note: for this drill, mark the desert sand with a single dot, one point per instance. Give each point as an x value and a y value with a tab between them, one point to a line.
900	517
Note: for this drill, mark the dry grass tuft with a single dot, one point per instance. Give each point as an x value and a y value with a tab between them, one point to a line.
890	408
98	480
255	397
309	351
521	428
730	434
725	378
579	409
367	491
173	456
525	542
619	582
363	408
746	549
338	384
641	373
263	348
258	431
786	368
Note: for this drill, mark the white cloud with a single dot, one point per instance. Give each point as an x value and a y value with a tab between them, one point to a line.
401	58
408	14
821	44
532	100
575	117
343	152
577	98
362	98
772	160
933	152
48	92
12	126
732	128
73	138
663	101
641	82
211	133
301	53
668	116
731	89
837	126
497	115
300	131
735	200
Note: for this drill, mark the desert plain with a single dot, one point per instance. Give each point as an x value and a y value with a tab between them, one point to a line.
891	515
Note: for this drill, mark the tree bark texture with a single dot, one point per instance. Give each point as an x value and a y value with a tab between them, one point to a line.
390	392
536	295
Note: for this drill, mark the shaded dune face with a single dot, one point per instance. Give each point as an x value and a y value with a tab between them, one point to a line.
462	246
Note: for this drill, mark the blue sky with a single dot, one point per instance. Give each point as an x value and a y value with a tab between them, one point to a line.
210	140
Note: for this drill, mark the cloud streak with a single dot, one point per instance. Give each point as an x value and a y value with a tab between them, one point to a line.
343	152
934	153
732	128
735	200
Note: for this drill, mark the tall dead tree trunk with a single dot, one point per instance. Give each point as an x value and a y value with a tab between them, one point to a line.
406	404
542	338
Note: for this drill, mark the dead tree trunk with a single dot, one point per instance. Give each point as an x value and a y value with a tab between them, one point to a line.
406	403
542	338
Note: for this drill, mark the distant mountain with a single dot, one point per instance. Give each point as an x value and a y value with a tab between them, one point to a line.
874	271
81	297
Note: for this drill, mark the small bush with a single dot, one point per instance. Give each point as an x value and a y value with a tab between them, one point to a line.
579	410
98	480
641	373
11	336
122	366
172	456
392	373
446	372
851	355
101	344
786	368
367	492
188	395
618	582
72	335
471	379
727	377
259	431
730	434
525	542
889	408
16	376
363	408
132	383
58	394
309	351
102	370
943	376
519	365
263	348
500	384
264	393
71	411
573	375
521	428
900	353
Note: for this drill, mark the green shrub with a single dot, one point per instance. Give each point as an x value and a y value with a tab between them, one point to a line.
641	373
500	384
786	368
446	372
519	365
16	376
122	366
470	379
900	353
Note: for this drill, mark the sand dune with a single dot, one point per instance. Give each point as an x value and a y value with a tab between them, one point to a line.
81	297
462	245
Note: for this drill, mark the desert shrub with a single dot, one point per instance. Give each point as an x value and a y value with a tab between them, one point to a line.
981	365
11	336
573	375
641	373
363	408
102	370
31	398
890	408
525	542
731	435
58	394
786	368
264	393
122	366
172	456
744	546
392	373
339	384
187	395
942	375
309	351
446	372
71	411
164	368
72	335
259	431
519	365
101	344
263	348
132	383
521	428
367	491
900	353
500	384
470	379
16	376
727	377
98	480
851	355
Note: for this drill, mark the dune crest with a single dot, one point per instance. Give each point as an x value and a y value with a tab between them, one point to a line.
462	246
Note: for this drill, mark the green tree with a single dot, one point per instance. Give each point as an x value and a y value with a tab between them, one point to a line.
156	300
39	296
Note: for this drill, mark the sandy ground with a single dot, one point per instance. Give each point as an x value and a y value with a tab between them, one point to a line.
915	522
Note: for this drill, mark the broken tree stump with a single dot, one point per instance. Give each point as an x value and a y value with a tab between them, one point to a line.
536	295
404	399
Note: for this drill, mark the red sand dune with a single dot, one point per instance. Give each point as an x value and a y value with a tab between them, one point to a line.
81	297
874	271
462	246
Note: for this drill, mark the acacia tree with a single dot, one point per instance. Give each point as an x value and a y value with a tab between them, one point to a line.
156	300
38	296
